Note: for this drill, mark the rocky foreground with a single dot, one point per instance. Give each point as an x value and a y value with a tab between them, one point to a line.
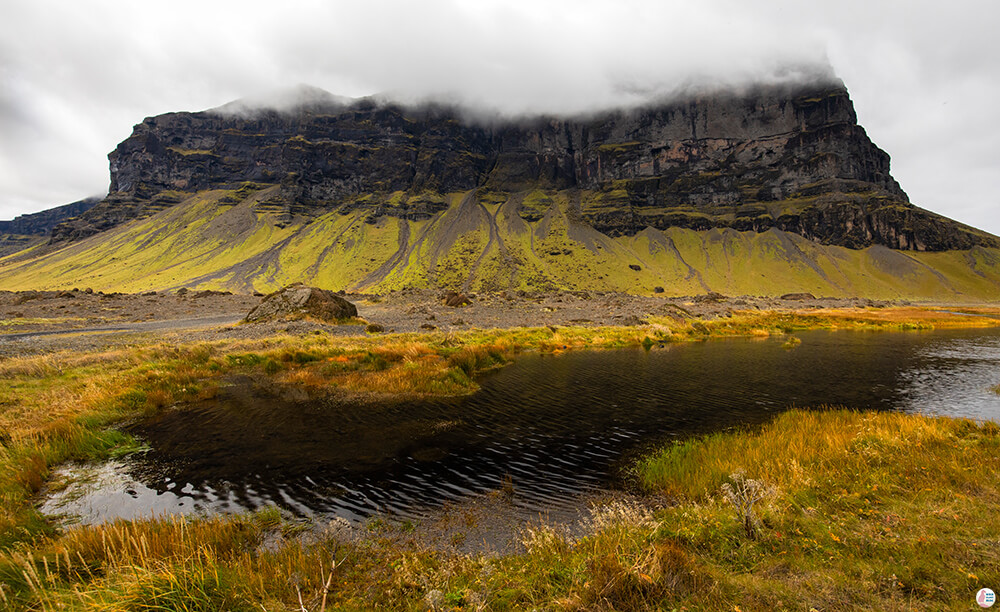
34	322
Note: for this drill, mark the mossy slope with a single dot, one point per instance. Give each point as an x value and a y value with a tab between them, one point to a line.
481	241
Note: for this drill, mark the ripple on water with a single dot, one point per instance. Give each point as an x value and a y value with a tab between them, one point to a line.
556	426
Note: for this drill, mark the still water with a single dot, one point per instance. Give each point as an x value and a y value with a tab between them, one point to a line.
559	426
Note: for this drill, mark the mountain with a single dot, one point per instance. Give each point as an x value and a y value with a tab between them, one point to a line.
31	229
770	189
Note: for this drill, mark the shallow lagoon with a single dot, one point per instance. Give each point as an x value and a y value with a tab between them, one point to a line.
557	426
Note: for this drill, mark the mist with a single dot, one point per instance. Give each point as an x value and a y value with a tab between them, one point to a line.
75	77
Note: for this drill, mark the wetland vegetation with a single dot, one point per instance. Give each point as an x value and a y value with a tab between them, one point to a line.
864	510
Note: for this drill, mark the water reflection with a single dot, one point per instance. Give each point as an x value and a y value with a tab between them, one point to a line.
556	425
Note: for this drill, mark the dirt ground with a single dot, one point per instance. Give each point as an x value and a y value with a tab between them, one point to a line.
33	322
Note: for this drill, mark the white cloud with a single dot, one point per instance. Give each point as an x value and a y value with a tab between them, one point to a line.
75	76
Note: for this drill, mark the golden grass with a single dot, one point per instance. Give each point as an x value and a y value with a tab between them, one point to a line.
887	483
874	511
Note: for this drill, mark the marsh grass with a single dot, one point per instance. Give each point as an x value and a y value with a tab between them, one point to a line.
873	510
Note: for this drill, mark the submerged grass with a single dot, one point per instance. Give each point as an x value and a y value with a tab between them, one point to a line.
873	510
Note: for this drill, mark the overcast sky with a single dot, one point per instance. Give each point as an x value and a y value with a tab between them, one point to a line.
76	75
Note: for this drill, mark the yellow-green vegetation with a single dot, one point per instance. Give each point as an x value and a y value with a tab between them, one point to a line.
885	511
57	407
25	321
866	511
238	240
862	511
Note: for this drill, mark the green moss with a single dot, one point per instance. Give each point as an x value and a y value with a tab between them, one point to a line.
188	152
208	236
618	147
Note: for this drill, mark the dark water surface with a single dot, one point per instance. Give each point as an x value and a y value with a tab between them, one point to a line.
558	425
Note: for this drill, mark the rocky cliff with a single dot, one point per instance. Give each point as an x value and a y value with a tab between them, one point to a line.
40	223
791	158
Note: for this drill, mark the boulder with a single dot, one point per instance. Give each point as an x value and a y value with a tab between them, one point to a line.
712	297
798	296
298	300
455	300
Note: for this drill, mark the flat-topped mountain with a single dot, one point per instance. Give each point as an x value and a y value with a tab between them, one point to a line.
787	157
768	189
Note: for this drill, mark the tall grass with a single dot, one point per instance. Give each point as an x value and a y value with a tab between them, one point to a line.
874	510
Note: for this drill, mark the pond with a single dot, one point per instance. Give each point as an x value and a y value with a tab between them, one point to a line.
554	426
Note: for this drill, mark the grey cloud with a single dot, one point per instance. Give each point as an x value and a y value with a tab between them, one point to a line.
922	74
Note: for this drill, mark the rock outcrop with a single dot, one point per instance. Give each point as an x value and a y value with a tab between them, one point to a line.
786	157
296	301
40	223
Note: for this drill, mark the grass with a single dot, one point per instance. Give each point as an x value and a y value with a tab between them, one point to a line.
861	497
21	321
872	511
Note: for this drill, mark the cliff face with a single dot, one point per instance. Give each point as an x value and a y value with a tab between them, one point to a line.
40	223
773	157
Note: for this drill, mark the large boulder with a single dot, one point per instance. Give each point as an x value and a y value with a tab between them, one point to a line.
298	300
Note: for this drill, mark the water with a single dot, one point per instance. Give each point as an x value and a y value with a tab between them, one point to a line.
558	426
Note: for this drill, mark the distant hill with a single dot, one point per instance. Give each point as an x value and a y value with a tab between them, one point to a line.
27	230
772	189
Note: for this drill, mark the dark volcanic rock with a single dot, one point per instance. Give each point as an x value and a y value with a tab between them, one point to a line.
455	300
798	296
41	223
299	300
786	157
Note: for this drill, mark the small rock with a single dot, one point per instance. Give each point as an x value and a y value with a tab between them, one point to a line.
711	296
458	322
374	328
428	326
453	299
635	267
26	296
182	291
657	289
209	292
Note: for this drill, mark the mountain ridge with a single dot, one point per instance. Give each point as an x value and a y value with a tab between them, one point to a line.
772	189
779	156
